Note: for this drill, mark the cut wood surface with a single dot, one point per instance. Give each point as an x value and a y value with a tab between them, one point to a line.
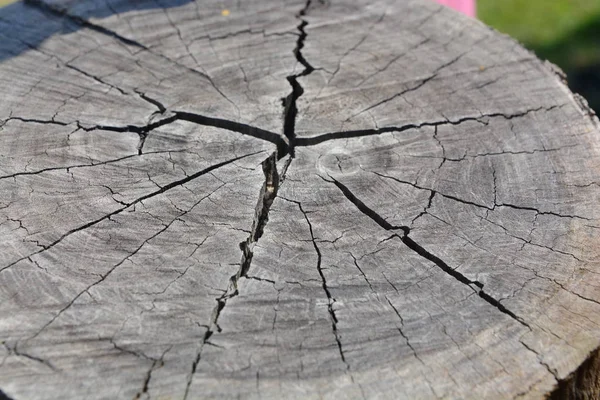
288	199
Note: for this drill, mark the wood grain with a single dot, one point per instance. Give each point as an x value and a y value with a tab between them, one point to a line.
287	199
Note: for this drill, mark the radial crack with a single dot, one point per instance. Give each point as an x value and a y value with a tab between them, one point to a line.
330	299
161	108
471	203
267	195
314	140
238	127
128	257
127	205
198	119
156	363
69	167
97	79
421	83
474	285
63	13
289	103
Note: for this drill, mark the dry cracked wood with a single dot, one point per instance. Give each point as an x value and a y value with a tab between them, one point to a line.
290	200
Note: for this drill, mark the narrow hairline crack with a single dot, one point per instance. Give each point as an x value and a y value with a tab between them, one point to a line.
106	274
15	351
478	205
76	166
551	370
134	202
330	299
421	83
511	152
63	13
94	77
398	314
474	285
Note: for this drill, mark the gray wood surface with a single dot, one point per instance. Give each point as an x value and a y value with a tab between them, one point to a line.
332	199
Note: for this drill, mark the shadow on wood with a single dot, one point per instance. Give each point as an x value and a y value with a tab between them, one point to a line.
17	18
583	384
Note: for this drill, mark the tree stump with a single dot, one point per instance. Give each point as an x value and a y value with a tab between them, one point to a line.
280	199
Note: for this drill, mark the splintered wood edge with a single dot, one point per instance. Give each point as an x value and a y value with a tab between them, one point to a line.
584	382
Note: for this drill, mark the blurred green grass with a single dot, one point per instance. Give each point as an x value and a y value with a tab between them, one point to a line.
565	32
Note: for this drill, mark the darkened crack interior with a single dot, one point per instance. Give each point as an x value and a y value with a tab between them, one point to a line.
267	195
289	103
130	204
285	144
475	285
3	396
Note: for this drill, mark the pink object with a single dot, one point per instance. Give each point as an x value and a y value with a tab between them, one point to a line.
464	6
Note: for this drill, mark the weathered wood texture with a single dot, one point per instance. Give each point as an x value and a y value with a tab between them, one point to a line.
337	199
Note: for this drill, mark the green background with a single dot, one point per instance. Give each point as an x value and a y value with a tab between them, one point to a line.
566	32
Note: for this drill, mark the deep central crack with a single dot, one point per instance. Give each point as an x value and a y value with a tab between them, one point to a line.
267	195
289	103
269	189
143	131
